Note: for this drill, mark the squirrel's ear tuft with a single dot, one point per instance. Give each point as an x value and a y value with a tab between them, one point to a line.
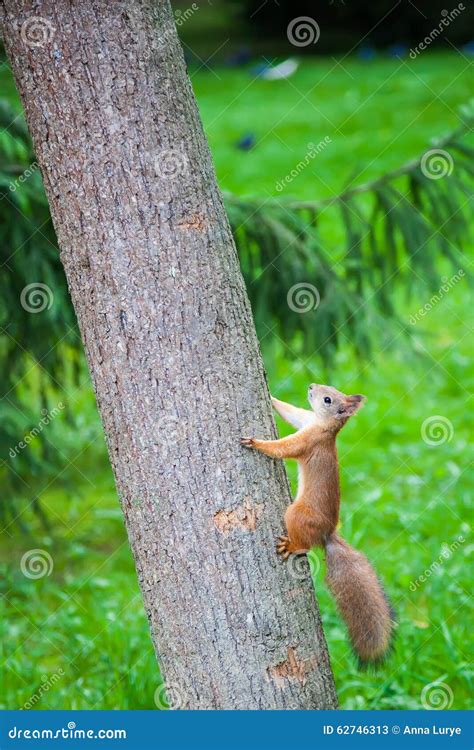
354	403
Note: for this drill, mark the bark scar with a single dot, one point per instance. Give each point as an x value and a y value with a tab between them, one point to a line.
196	221
292	668
244	517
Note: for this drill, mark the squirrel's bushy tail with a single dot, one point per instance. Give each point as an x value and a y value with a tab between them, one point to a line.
360	599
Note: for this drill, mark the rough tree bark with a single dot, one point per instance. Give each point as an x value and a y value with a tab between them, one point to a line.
169	337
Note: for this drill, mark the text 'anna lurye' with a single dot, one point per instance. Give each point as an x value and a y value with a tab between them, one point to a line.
449	731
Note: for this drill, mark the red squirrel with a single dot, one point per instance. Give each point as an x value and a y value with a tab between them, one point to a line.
312	518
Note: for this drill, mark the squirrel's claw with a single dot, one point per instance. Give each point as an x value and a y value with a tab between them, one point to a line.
282	545
247	442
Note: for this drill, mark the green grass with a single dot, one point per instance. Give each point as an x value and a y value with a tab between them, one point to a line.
85	621
378	115
403	501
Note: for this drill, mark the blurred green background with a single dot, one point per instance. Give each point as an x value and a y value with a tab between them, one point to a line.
405	501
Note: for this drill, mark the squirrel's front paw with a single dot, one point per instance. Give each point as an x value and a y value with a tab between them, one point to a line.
247	442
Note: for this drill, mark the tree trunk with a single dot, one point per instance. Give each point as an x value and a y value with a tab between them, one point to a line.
169	337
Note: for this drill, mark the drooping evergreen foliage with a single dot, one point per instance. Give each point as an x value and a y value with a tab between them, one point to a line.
39	351
397	227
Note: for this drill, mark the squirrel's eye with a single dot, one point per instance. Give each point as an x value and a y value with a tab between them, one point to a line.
327	400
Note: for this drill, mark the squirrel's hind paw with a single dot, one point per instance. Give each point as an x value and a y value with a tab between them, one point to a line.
282	546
